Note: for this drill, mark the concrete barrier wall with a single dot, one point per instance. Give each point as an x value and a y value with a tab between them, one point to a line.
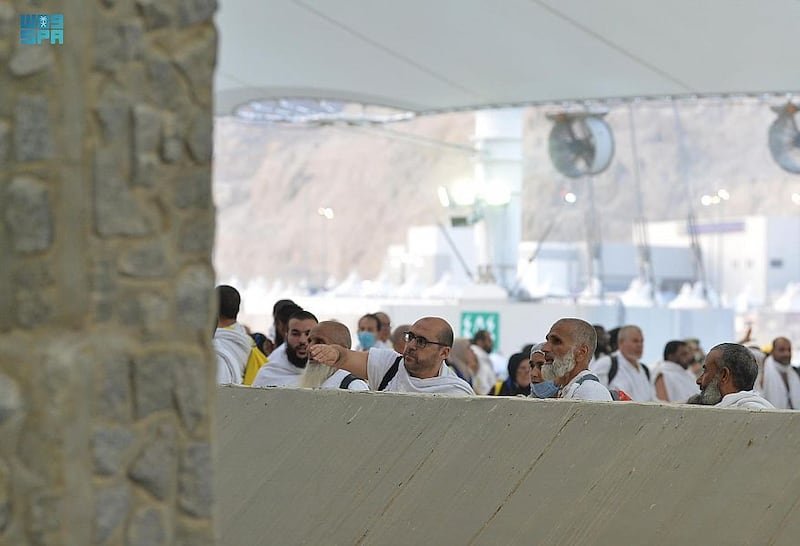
304	467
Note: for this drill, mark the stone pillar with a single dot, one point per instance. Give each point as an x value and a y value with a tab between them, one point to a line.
106	283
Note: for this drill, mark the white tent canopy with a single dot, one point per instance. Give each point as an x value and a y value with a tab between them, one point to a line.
440	55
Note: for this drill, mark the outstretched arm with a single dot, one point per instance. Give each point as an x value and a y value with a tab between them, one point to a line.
337	356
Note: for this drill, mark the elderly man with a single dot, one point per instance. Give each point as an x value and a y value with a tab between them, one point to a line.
623	370
286	363
420	369
729	372
571	343
781	383
319	376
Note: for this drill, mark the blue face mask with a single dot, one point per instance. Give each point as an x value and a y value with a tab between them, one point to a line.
545	389
366	340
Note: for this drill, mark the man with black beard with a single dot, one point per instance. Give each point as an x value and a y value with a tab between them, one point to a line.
729	372
570	344
286	363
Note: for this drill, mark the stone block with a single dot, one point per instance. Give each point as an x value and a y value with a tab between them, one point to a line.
152	383
165	83
44	518
147	528
110	447
172	147
201	136
30	60
33	138
114	115
155	468
148	310
191	12
194	481
147	260
112	399
157	14
145	170
116	210
28	215
146	129
194	290
191	392
111	507
196	235
193	189
34	307
10	399
117	43
33	274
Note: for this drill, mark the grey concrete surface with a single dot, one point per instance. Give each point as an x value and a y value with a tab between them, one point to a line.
303	467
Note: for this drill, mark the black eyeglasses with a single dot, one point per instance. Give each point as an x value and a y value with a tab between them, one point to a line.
421	341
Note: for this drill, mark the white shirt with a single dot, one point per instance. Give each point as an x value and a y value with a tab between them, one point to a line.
679	382
774	388
232	347
335	382
587	390
632	380
278	371
744	399
447	382
485	378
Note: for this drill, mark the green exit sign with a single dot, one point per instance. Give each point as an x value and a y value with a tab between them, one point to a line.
472	321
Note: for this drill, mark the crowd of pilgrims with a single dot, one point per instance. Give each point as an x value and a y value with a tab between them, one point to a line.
576	360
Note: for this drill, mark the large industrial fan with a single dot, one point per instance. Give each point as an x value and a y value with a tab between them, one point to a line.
784	138
581	144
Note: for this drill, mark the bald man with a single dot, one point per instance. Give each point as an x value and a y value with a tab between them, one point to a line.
623	369
780	383
319	376
420	369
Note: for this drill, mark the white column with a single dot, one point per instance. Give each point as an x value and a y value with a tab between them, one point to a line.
498	171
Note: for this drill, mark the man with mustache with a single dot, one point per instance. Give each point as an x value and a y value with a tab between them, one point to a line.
286	363
420	369
571	343
729	372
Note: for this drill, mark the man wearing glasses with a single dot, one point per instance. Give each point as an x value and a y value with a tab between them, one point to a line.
419	369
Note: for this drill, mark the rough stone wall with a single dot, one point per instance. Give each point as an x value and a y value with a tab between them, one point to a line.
106	284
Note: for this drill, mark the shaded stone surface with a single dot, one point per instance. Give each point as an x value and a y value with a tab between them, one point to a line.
109	449
5	496
156	466
147	259
32	129
111	508
28	215
112	399
5	138
44	518
196	235
193	189
191	393
152	383
195	11
116	210
200	137
30	60
34	307
194	481
194	289
148	310
147	528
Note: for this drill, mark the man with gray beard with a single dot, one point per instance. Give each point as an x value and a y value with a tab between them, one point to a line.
570	344
729	372
320	376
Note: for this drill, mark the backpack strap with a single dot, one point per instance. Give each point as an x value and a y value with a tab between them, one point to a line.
390	373
589	377
349	378
612	371
646	370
